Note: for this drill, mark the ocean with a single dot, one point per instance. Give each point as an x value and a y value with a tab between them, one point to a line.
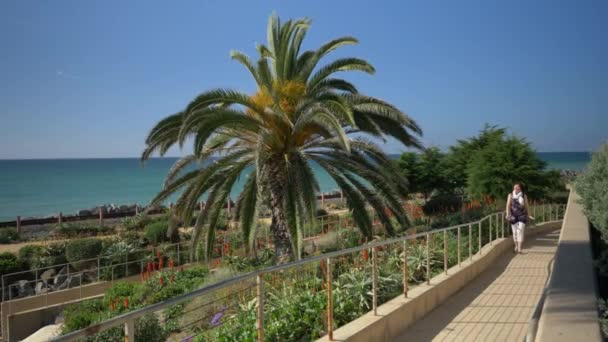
43	187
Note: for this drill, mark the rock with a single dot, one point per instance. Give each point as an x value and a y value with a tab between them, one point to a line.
45	333
59	319
47	275
61	276
84	212
70	282
24	288
40	288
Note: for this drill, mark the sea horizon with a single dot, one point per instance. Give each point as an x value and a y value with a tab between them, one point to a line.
44	187
175	157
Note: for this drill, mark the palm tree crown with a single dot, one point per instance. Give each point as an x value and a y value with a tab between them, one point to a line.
301	113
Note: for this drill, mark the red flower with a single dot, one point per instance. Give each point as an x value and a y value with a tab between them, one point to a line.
161	280
112	306
126	302
365	255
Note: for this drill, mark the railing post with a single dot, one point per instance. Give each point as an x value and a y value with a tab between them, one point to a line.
502	223
470	242
405	269
260	316
496	219
445	252
322	225
490	229
479	224
534	211
544	212
459	261
59	218
428	259
375	280
101	216
98	269
330	302
130	331
18	228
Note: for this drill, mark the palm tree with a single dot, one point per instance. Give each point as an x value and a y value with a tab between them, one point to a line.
300	114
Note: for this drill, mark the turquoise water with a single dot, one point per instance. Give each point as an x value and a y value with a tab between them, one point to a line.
45	187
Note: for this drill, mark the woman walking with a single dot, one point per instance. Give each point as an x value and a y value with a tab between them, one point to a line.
517	214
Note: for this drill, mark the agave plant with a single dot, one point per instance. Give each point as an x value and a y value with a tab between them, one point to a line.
300	114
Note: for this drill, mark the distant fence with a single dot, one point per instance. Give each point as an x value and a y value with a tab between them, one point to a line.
101	214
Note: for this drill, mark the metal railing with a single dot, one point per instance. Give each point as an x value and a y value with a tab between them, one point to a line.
102	267
470	239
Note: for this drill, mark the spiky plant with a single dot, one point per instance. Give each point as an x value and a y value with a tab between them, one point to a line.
300	114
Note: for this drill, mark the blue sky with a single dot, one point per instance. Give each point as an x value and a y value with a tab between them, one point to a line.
89	79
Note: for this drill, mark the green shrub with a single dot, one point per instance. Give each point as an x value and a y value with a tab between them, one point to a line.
8	235
81	315
10	263
119	290
591	186
31	254
147	328
156	233
321	212
31	251
441	204
54	254
137	222
81	249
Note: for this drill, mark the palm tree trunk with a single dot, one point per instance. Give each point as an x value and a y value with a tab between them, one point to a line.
277	182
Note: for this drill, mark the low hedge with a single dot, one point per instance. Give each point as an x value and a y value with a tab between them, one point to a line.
156	233
10	263
8	235
70	230
81	249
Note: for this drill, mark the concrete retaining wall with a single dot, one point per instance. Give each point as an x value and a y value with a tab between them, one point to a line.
396	315
15	327
570	309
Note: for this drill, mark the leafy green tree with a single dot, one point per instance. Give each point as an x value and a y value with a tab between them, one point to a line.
494	168
408	167
424	171
591	186
457	160
431	176
301	113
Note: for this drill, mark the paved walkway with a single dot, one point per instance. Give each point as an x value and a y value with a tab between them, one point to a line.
498	304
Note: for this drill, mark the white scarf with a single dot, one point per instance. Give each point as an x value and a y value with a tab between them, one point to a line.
518	196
